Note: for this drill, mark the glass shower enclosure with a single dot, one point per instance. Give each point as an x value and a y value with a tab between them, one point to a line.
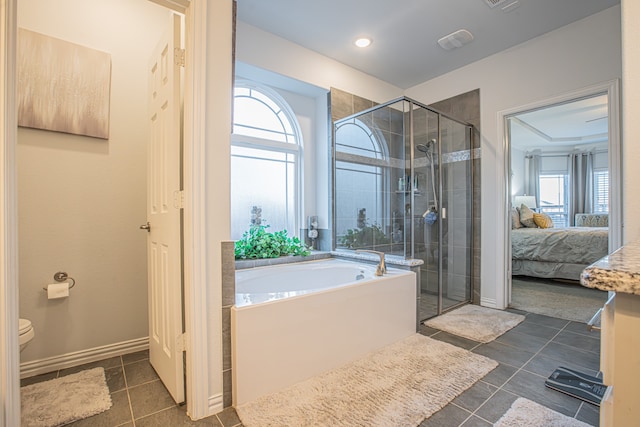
403	185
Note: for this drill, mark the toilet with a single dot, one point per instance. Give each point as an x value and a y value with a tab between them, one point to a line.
26	333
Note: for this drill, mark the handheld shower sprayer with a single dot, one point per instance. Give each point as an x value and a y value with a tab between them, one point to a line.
426	148
431	214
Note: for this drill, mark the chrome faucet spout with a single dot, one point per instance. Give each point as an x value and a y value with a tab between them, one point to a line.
381	269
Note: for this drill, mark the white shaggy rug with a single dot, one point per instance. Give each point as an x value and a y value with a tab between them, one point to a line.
569	302
399	385
524	412
476	323
63	400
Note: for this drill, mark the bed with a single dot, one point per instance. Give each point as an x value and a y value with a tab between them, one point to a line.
556	253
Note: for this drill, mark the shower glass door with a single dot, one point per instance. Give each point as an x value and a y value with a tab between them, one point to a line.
425	135
403	186
456	213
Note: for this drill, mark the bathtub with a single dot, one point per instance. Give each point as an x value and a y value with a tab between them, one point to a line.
294	321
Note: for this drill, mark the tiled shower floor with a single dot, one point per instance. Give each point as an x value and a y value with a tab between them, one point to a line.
527	354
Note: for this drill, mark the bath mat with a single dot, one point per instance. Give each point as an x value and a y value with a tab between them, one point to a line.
63	400
476	323
398	385
524	412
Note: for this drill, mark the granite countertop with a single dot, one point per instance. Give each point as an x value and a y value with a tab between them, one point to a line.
618	272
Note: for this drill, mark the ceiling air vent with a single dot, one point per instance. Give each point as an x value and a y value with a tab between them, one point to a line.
494	3
455	40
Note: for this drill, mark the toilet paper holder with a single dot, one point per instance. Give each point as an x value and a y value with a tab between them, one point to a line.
62	276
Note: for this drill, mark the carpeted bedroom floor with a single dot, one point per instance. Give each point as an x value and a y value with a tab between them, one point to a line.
563	300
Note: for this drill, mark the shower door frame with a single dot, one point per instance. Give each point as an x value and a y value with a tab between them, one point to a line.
468	130
409	252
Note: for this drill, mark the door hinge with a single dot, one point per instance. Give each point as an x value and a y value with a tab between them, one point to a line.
181	342
178	55
178	199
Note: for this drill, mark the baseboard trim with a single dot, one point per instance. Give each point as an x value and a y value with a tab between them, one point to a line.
216	403
489	302
68	360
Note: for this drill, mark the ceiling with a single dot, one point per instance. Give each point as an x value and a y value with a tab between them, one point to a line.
566	125
405	33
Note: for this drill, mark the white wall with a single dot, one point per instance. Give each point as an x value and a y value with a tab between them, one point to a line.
81	199
265	50
517	171
214	216
258	51
630	122
305	109
573	57
309	104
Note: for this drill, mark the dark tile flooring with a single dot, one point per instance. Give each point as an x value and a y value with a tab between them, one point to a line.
138	396
527	355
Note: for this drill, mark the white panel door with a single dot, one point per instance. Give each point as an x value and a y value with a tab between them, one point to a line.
163	215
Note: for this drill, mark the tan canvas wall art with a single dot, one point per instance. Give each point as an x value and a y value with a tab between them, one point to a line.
62	86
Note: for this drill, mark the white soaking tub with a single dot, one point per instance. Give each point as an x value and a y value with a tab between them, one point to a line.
294	321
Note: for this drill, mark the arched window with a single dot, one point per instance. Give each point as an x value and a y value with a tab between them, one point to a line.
355	137
265	162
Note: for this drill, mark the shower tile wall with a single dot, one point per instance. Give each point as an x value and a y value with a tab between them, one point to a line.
344	104
228	300
466	107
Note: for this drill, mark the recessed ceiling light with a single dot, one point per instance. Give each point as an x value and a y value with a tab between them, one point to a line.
362	42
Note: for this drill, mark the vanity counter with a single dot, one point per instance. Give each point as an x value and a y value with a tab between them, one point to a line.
617	272
619	341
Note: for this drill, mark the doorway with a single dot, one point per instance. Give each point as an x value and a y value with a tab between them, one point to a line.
563	164
205	91
89	193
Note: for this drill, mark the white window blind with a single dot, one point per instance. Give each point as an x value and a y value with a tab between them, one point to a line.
601	191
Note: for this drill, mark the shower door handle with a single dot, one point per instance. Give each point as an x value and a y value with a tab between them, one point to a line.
443	213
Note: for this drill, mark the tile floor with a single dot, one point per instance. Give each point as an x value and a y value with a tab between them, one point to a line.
527	354
139	398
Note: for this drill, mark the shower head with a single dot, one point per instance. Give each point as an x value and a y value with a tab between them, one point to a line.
423	147
426	148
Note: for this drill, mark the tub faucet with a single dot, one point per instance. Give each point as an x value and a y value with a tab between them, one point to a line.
381	268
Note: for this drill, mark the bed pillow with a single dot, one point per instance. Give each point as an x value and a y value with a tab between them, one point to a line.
542	220
515	218
526	217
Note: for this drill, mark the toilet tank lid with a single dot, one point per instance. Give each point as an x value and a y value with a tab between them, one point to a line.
24	325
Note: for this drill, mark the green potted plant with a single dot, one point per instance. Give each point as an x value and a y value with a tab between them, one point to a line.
365	236
257	243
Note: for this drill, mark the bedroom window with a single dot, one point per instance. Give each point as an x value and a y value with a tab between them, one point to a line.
601	191
553	198
265	161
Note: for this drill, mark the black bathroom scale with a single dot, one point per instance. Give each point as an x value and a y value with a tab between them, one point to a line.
576	384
